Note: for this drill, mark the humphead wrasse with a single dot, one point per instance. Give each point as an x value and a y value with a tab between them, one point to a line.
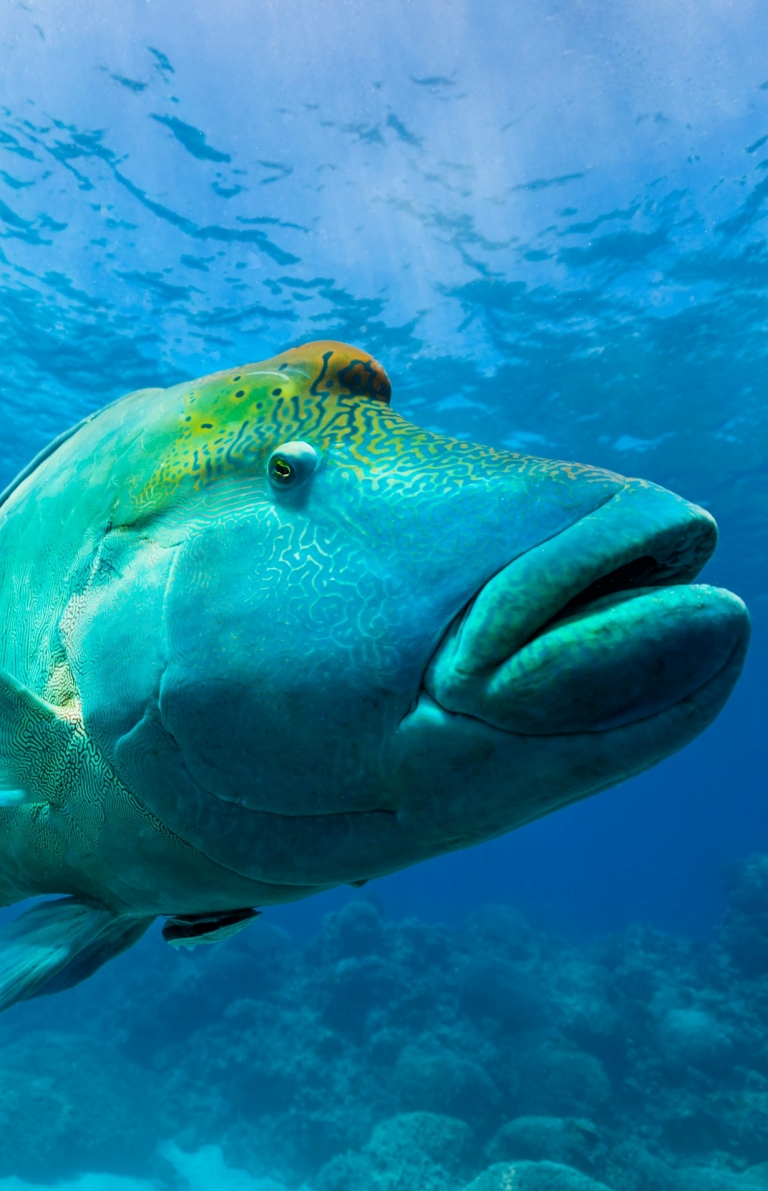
261	636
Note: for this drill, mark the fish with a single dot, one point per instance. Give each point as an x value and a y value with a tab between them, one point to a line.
262	637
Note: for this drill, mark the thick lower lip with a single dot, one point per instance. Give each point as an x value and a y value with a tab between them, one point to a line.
597	627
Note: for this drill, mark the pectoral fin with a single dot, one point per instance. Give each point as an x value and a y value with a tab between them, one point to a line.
189	930
57	944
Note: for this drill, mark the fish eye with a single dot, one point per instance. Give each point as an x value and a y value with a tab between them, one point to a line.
291	464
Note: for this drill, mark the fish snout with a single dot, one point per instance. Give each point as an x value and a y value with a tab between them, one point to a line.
598	627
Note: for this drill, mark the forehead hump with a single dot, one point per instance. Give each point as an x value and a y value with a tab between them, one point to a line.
302	383
304	377
227	424
330	367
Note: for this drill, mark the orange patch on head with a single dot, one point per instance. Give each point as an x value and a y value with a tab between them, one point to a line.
337	367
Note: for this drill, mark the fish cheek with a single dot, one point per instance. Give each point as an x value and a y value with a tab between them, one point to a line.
268	686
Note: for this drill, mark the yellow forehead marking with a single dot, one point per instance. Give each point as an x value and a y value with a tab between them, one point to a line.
228	423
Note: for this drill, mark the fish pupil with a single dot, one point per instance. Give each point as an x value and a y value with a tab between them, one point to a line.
282	469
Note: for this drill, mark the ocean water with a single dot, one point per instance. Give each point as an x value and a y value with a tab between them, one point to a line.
548	222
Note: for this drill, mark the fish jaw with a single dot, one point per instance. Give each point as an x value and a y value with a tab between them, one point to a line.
622	659
458	781
583	662
595	627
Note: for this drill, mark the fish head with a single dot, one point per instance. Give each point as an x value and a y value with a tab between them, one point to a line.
375	643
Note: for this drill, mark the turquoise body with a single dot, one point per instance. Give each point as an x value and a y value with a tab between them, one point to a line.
262	636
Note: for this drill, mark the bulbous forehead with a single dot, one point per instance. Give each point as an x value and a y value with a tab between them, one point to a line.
227	423
301	390
224	426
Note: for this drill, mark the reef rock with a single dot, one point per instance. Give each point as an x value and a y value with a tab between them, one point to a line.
534	1176
420	1150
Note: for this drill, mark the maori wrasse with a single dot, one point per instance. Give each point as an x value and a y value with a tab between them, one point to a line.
261	636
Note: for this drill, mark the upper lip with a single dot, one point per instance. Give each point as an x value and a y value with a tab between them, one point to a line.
642	537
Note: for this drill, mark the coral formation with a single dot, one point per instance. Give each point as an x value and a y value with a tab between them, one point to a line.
389	1056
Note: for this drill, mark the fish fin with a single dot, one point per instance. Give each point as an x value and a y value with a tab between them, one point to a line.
57	944
31	732
189	930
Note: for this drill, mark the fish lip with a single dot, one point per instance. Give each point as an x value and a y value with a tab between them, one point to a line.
642	537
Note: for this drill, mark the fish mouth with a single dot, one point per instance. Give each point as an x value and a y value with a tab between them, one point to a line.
598	627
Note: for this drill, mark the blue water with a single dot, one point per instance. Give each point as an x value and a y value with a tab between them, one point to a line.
548	222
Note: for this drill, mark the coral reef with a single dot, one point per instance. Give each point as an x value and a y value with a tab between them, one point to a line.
390	1056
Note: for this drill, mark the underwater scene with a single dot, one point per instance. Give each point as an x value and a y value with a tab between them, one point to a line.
384	595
